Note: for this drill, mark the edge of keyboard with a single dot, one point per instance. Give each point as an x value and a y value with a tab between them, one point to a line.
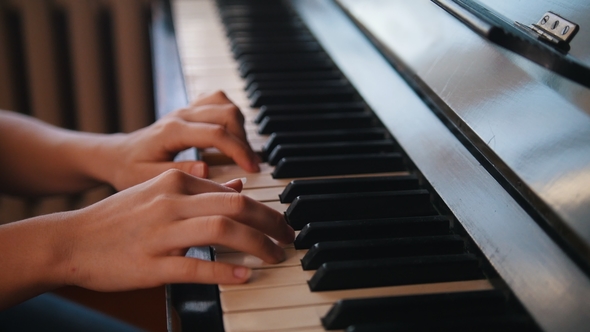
189	307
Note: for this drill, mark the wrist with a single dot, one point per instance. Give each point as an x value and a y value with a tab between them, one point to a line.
35	257
96	156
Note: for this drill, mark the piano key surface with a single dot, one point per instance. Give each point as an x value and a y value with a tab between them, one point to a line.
264	186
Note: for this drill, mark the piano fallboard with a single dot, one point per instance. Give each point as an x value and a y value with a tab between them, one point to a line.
533	265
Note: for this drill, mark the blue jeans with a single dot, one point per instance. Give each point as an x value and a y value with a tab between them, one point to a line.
49	313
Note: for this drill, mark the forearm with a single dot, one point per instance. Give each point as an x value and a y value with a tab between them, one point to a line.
137	239
39	159
33	256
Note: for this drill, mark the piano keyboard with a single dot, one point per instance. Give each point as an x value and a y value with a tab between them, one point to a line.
372	252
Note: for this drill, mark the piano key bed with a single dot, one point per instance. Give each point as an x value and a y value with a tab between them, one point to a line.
376	249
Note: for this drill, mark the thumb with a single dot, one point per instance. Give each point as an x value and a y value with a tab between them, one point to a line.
236	184
192	270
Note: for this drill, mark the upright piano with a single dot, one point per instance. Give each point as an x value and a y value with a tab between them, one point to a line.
435	156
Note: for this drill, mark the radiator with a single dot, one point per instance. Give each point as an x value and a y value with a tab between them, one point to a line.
78	64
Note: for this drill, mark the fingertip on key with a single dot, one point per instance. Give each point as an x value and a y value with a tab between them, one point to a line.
242	273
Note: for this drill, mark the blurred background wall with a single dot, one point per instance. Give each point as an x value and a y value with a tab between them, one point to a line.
84	65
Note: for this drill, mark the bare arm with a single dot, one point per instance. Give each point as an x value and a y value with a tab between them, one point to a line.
137	238
39	159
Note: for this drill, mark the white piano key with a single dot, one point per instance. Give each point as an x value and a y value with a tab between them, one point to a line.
213	83
227	172
286	320
223	249
273	277
222	174
264	194
300	295
210	61
277	297
293	258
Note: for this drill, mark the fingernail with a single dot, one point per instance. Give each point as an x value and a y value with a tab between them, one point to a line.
244	180
241	272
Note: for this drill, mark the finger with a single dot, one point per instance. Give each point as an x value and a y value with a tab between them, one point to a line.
220	230
203	135
179	182
240	208
217	97
149	170
195	168
236	184
192	270
226	115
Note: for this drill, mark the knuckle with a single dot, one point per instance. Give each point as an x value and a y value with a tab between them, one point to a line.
164	203
219	94
179	112
169	125
220	226
173	179
173	175
235	202
261	241
234	113
188	271
218	131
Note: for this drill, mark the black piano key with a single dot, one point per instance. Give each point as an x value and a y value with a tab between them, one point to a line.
241	23
297	76
493	323
413	308
335	251
330	121
296	167
270	13
277	48
301	109
315	232
303	96
262	58
253	26
367	134
352	206
330	148
348	185
283	85
279	16
248	68
245	38
286	36
270	34
395	271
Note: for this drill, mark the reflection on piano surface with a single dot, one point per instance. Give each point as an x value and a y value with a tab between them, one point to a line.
424	196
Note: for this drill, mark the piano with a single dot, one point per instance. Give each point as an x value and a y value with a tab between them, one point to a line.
435	156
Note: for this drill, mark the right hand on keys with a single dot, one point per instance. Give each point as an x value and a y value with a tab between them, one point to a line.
138	237
211	121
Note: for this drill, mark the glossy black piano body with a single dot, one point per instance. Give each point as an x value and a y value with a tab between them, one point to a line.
504	142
